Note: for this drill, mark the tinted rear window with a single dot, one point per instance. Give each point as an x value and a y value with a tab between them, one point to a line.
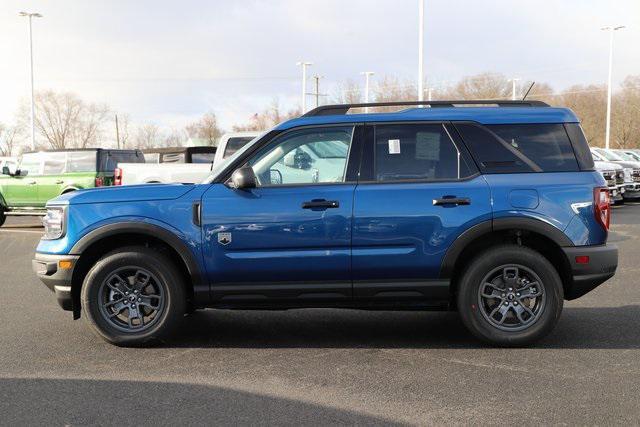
520	147
110	159
235	143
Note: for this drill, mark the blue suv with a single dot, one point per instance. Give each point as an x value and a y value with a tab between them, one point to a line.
489	208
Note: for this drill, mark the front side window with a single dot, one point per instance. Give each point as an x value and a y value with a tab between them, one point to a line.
417	152
306	156
81	161
54	163
31	163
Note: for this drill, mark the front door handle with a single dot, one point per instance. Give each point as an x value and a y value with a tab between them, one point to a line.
59	181
31	183
321	204
452	200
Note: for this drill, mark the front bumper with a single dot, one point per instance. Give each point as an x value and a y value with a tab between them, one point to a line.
57	279
601	266
631	190
616	193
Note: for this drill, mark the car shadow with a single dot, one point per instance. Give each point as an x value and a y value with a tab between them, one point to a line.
98	402
579	328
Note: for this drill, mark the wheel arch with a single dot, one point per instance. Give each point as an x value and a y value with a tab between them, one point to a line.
107	238
535	234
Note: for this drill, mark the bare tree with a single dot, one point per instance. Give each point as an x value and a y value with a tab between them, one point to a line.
147	136
174	138
9	139
123	130
64	120
267	118
625	124
205	128
482	86
348	92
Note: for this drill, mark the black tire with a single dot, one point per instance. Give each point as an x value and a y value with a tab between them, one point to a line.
3	217
519	328
164	282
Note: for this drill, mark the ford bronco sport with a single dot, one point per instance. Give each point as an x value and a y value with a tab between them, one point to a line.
493	210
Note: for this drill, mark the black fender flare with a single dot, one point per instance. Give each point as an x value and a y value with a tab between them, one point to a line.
498	224
200	286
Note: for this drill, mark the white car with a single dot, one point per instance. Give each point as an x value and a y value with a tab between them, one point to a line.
196	169
631	168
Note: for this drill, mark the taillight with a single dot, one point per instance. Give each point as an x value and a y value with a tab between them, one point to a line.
99	182
602	207
117	177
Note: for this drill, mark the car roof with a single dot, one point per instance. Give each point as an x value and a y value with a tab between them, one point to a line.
483	115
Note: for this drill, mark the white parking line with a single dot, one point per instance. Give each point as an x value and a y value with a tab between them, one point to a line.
21	231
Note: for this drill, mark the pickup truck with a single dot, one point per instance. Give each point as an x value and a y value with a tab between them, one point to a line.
186	165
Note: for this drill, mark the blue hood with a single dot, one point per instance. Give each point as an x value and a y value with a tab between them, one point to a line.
127	193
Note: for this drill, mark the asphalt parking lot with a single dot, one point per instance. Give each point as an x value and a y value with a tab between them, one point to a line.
319	366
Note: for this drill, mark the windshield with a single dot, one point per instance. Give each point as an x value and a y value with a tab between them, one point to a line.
609	155
217	168
626	156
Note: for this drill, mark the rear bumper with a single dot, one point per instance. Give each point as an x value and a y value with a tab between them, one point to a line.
602	265
55	278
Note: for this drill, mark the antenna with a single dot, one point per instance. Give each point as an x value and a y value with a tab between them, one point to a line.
528	90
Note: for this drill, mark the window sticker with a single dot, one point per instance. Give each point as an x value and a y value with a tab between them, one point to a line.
428	145
394	146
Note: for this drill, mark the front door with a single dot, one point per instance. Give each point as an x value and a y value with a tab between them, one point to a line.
419	194
22	191
288	239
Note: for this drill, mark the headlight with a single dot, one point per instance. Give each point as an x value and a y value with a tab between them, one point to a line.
54	223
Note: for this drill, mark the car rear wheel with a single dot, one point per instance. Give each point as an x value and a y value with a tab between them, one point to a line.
134	297
510	296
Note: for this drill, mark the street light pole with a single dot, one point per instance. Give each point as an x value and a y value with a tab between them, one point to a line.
421	50
367	75
513	88
33	108
611	30
304	66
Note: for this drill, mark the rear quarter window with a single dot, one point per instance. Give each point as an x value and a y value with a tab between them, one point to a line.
517	148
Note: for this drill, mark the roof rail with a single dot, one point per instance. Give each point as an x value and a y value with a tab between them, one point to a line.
341	109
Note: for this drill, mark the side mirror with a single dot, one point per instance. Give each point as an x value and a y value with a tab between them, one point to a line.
5	170
21	172
244	178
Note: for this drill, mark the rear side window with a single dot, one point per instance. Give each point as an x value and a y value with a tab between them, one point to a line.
81	161
54	163
417	152
110	159
520	148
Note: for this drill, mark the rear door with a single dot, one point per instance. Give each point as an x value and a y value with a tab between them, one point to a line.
52	181
418	192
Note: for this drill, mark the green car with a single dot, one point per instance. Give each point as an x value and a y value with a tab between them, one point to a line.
41	176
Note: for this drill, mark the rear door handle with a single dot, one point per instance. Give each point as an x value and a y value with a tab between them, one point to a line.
31	183
321	204
59	181
452	200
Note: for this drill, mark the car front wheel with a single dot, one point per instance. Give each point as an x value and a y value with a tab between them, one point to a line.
510	296
134	297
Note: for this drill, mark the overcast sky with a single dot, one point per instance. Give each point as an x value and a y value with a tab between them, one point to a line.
168	62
